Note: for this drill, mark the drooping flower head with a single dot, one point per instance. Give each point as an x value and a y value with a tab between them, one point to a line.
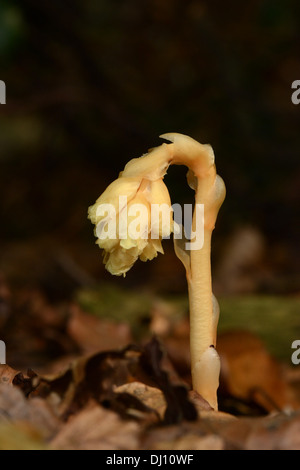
134	213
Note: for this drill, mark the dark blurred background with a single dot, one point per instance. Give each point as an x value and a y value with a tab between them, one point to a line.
92	84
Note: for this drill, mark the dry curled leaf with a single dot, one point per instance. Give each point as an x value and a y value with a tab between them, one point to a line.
10	376
151	397
7	374
97	376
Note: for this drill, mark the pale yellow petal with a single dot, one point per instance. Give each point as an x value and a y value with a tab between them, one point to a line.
108	244
138	217
119	261
121	187
161	213
151	250
148	253
159	193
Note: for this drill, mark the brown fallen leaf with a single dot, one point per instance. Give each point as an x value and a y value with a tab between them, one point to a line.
10	376
96	377
95	428
199	402
151	397
250	374
7	374
179	407
93	334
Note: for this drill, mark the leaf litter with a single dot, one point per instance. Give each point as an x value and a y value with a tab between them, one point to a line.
106	388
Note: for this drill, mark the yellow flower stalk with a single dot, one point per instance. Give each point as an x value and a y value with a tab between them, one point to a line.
139	200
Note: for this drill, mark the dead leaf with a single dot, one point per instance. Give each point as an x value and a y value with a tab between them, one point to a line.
93	334
250	374
96	377
7	374
95	428
26	384
199	402
151	397
179	406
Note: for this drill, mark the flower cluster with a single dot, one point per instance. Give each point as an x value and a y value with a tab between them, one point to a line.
123	215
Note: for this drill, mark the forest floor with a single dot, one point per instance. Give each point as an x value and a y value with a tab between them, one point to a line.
110	369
